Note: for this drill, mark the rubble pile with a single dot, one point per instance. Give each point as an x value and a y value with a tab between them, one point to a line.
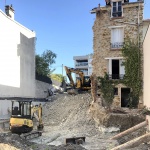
68	116
10	141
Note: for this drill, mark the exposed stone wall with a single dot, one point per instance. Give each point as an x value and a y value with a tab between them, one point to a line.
102	37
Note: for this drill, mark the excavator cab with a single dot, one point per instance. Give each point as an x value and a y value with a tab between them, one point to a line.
78	82
21	119
87	81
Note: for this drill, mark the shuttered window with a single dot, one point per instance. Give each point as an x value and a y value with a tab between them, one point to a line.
117	37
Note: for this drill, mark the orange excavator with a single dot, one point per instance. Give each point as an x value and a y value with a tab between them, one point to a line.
82	82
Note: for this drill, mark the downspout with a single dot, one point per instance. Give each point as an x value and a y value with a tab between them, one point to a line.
138	25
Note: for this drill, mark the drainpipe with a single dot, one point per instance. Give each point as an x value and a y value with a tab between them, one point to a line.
138	27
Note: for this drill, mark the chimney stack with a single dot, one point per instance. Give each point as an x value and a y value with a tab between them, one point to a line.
9	11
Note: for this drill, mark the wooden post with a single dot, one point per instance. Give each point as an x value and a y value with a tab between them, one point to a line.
135	142
130	130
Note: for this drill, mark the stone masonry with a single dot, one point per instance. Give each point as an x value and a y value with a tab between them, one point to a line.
102	35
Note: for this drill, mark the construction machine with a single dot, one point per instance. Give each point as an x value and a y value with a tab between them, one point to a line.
22	114
82	82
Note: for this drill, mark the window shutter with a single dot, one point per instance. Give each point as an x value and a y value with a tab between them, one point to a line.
122	68
117	35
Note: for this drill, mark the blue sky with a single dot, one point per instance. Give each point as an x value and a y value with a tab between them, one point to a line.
63	26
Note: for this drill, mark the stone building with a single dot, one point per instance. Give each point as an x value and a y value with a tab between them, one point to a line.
116	21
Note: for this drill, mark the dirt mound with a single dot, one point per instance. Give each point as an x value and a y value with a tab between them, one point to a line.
67	116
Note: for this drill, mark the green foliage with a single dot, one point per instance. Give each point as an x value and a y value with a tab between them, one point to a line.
133	77
107	89
49	57
44	61
58	77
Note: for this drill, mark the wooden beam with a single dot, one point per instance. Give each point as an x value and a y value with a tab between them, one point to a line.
143	124
134	143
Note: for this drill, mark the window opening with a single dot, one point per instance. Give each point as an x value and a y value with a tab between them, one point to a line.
115	69
117	38
125	92
117	9
115	91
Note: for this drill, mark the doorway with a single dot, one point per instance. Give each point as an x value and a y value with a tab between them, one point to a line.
125	97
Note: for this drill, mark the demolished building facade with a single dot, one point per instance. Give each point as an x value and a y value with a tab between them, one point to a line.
118	20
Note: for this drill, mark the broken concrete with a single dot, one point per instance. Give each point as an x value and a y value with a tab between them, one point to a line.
67	116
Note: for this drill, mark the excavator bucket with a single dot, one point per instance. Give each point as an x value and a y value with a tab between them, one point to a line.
40	127
75	140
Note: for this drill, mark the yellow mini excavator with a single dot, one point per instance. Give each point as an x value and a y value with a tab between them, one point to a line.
23	112
82	82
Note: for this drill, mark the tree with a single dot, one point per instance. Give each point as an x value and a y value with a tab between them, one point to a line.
107	88
58	77
44	62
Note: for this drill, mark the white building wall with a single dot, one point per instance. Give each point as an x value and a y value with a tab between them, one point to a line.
146	49
87	67
17	63
90	70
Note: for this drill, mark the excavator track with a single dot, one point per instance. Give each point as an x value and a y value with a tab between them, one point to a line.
31	135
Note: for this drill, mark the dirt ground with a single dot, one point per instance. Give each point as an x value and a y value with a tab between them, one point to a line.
67	116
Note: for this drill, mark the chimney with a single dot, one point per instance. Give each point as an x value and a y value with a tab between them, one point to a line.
9	11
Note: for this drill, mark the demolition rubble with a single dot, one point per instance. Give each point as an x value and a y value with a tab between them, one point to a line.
71	116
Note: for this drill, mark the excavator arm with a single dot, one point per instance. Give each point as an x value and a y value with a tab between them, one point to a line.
79	72
68	73
36	111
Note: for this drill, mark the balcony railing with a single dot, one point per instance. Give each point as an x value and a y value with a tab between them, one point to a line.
116	76
82	64
117	14
117	45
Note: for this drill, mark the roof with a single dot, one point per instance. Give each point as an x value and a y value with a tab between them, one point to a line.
146	20
1	12
94	10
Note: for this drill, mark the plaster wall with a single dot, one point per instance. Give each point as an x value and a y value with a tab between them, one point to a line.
17	59
146	47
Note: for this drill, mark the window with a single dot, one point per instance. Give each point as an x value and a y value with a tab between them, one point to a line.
116	9
115	91
116	69
117	38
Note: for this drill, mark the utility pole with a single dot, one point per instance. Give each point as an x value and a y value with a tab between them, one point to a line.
62	69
